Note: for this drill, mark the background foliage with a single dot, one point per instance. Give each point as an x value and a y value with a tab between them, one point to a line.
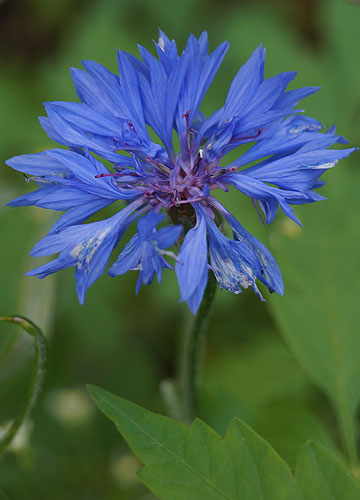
288	368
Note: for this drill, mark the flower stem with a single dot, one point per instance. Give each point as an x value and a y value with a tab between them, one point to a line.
192	353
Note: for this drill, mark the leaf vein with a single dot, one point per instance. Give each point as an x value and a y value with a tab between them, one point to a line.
167	450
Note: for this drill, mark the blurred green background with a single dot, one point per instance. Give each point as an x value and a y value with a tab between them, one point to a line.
128	344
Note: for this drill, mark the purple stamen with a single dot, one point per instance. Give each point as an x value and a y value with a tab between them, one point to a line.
259	131
187	118
98	176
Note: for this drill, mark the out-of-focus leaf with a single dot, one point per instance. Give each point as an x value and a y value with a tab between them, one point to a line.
254	375
319	314
321	476
249	383
182	461
20	104
287	424
340	21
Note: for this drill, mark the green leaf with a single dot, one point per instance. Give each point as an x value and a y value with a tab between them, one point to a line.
36	377
319	314
181	460
321	476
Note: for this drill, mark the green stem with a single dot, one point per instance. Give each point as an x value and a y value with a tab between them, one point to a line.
191	356
36	377
169	392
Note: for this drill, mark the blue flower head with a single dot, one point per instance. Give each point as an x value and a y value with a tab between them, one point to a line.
287	152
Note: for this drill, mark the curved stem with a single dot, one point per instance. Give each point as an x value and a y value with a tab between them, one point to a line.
191	356
36	377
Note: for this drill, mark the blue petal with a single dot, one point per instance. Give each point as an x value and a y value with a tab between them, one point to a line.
87	247
292	97
300	170
245	84
151	264
38	164
160	95
269	271
129	257
52	132
138	65
94	93
51	267
63	198
234	264
209	125
194	300
79	214
73	122
167	52
201	72
92	264
131	95
287	137
269	206
86	169
261	191
143	253
192	265
268	92
69	134
31	198
110	85
167	236
85	118
147	224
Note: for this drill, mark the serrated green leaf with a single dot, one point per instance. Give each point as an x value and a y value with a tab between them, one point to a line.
259	471
321	476
182	461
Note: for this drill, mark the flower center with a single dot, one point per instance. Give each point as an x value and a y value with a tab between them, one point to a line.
190	179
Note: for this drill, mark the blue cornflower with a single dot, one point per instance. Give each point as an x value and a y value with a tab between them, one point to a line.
288	153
